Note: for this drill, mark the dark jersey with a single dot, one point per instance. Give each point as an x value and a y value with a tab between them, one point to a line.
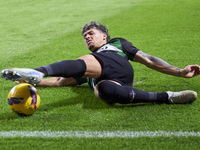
113	58
121	47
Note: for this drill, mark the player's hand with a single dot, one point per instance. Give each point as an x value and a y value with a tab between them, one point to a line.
190	71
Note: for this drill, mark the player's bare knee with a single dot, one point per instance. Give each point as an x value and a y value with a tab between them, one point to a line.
96	90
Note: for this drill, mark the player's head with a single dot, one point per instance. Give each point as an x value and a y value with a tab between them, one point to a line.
95	35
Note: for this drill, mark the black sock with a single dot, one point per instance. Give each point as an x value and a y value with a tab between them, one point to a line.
43	70
143	96
66	68
162	97
114	93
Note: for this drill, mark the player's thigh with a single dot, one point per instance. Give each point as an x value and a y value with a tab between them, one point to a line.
93	67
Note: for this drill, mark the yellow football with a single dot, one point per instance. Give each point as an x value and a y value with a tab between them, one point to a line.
24	99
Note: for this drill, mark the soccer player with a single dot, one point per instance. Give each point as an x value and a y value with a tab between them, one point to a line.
107	70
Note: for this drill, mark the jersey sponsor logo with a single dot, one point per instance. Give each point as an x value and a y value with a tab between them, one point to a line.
109	47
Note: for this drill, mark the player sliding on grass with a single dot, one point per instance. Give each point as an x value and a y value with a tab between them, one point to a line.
107	70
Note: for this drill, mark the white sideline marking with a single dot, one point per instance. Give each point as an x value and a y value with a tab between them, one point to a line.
97	134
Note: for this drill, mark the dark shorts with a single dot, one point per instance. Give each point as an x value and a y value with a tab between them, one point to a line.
115	67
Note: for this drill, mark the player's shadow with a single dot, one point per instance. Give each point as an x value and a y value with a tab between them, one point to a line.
88	100
83	96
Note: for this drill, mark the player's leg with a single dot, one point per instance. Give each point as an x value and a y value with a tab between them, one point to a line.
111	92
85	66
65	68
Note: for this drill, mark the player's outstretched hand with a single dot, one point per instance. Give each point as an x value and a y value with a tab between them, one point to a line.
190	71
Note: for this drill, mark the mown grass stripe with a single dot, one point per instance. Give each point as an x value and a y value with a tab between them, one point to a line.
97	134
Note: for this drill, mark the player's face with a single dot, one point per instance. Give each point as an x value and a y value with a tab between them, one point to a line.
94	39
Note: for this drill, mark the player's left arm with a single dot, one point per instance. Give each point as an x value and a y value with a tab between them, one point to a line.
57	82
54	82
164	67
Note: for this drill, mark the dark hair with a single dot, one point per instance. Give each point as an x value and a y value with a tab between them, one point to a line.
98	26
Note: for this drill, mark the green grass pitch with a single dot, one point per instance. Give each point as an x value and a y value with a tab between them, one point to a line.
37	33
